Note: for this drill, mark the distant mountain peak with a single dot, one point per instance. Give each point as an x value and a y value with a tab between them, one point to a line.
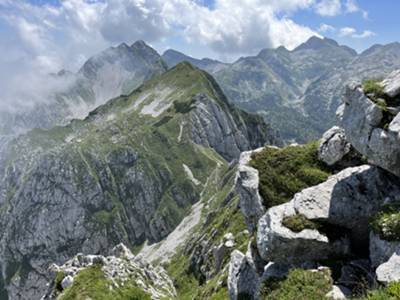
140	44
316	43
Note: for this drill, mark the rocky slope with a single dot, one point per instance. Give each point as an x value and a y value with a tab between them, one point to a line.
127	173
345	228
115	71
298	91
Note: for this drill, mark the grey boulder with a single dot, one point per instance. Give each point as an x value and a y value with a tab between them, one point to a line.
334	146
392	84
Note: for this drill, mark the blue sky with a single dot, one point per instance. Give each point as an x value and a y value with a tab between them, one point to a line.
47	35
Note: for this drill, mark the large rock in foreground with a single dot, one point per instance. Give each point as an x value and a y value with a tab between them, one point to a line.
371	131
342	204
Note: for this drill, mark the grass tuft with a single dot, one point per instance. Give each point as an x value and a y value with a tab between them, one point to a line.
287	171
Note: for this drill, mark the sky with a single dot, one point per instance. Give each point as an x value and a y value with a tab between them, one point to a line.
42	36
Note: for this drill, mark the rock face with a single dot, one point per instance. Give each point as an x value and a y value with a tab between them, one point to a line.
118	270
243	279
363	121
120	175
279	244
345	200
381	250
247	181
392	84
348	198
334	146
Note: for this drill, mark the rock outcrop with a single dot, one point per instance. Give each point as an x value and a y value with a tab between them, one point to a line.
345	200
247	182
243	279
279	244
389	271
392	84
120	269
334	146
371	129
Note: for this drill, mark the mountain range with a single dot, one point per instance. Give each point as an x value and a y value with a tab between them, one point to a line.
297	91
183	162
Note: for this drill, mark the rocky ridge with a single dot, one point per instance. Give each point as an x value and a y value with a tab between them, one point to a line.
120	269
127	173
352	218
301	88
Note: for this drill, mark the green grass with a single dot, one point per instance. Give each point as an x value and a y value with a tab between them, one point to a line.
298	223
299	285
391	292
91	283
374	87
386	223
287	171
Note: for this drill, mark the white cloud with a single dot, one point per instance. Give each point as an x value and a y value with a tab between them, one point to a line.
347	31
38	39
352	32
364	34
328	8
325	28
352	7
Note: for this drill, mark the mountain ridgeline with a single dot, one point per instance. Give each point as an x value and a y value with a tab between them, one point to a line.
297	91
129	173
115	71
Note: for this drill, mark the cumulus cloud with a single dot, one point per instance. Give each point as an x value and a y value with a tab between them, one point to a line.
352	7
325	28
352	32
238	27
328	8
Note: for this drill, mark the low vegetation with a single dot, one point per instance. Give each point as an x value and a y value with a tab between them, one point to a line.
298	223
285	172
300	285
91	283
374	88
386	223
391	292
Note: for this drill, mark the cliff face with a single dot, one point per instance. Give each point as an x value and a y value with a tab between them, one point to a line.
127	173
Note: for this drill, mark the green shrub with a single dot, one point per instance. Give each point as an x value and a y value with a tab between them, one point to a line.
374	87
299	285
298	223
386	223
284	172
